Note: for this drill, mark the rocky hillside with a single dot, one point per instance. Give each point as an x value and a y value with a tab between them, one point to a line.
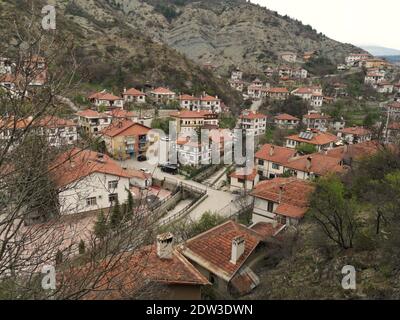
112	52
226	32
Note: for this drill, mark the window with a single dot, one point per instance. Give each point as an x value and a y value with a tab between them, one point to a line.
112	185
276	166
91	202
281	220
241	180
113	197
260	162
270	206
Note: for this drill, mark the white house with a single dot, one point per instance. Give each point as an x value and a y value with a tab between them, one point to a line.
93	122
356	57
320	140
161	94
193	153
107	100
134	96
243	180
281	200
89	181
289	56
285	120
355	134
254	121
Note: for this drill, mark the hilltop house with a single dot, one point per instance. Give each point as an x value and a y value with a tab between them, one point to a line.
286	121
278	93
134	96
384	87
93	122
254	121
322	122
355	135
162	95
237	84
356	57
282	200
237	74
374	77
204	103
289	56
107	100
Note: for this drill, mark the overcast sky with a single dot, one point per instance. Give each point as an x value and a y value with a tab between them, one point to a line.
360	22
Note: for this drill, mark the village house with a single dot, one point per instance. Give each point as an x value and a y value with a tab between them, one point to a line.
226	255
193	153
237	84
320	140
134	96
322	122
93	122
351	154
396	88
58	132
299	73
204	103
355	135
243	179
253	121
356	57
313	95
384	87
393	109
269	72
89	181
282	200
309	167
374	77
392	132
375	63
189	121
121	114
286	121
271	160
289	56
157	271
5	65
278	93
125	139
106	100
285	72
162	95
236	74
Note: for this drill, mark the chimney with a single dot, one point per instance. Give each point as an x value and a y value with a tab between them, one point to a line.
124	90
309	163
165	245
238	246
271	151
280	193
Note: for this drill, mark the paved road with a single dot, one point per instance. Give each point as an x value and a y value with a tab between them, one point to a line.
215	201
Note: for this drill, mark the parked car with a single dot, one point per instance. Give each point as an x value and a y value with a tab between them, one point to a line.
142	158
169	168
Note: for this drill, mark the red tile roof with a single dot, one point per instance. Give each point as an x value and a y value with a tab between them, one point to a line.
278	90
321	164
209	98
355	151
104	96
187	97
125	128
212	249
128	273
285	116
120	113
76	164
357	131
248	114
291	194
313	116
161	90
304	90
89	113
394	105
266	230
279	155
133	92
319	138
242	174
54	122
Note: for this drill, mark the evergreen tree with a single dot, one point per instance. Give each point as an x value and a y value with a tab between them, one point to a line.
101	228
130	203
116	215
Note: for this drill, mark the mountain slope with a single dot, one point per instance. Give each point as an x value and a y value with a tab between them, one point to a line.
113	53
226	32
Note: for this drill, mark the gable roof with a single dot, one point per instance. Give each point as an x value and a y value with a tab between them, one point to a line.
318	138
291	194
276	154
125	128
212	249
249	114
76	164
161	90
357	131
89	113
104	96
313	116
133	92
317	163
130	272
244	174
278	90
285	116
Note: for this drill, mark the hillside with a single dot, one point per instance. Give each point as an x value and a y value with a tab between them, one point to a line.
113	53
227	33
